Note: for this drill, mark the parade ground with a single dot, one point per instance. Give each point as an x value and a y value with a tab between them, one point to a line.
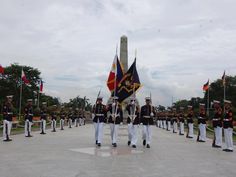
72	153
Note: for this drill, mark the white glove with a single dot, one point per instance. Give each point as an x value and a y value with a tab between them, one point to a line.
93	115
121	123
141	123
151	114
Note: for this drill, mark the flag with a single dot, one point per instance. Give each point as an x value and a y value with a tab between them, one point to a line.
1	70
129	84
41	86
223	78
23	78
206	86
115	75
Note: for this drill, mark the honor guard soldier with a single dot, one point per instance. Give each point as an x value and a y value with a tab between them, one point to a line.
76	117
133	121
174	121
62	117
158	120
43	118
190	122
181	121
168	120
217	125
147	115
28	118
202	123
228	126
115	118
70	117
7	118
99	116
54	118
81	117
164	120
161	120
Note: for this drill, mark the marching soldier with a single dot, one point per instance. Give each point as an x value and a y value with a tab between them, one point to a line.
147	115
81	117
115	118
28	118
98	116
181	121
228	126
168	120
7	118
43	118
190	122
174	121
202	124
133	121
164	120
70	117
76	117
54	118
217	125
158	119
62	118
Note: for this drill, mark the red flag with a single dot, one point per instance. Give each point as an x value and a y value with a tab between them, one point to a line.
41	87
1	70
116	73
206	86
23	78
223	78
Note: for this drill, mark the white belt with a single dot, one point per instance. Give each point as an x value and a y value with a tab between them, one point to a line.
9	113
215	119
226	120
99	114
147	116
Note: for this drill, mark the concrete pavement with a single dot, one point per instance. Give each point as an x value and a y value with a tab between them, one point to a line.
72	153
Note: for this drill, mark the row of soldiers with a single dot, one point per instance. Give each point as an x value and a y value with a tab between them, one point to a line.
221	121
113	114
77	116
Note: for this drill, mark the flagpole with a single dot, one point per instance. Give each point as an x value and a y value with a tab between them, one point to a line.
208	100
224	96
38	100
21	84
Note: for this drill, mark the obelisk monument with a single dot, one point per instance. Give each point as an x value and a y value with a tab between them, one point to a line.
124	52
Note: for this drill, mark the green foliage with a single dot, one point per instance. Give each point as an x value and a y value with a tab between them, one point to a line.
79	102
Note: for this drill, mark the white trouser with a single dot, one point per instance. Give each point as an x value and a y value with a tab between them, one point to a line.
132	133
175	127
6	129
158	123
161	124
181	128
98	131
168	125
164	124
190	129
70	123
43	126
147	133
28	125
62	124
202	129
80	121
218	136
228	132
53	124
76	122
114	132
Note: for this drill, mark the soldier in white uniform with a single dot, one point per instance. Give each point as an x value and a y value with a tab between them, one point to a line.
70	117
7	118
147	119
99	115
43	118
62	118
28	118
202	120
190	122
133	121
181	121
228	126
174	121
54	118
115	118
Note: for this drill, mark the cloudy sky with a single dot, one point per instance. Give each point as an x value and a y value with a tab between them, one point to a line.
180	43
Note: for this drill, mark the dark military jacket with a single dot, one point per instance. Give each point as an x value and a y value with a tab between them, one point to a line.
62	115
217	119
190	117
7	112
202	118
136	120
43	114
54	115
146	117
228	119
119	115
100	113
29	113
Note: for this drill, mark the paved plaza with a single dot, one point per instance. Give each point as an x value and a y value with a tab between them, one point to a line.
72	153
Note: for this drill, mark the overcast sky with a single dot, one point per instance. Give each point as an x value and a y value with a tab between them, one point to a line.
180	43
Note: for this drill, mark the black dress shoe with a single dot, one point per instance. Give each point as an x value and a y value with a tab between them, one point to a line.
148	146
114	145
29	136
99	144
144	142
133	146
53	130
7	140
96	142
129	143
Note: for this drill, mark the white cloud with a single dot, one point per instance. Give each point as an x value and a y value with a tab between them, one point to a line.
180	43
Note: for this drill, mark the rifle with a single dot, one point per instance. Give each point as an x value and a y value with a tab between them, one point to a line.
95	108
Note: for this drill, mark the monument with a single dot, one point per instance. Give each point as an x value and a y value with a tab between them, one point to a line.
124	52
